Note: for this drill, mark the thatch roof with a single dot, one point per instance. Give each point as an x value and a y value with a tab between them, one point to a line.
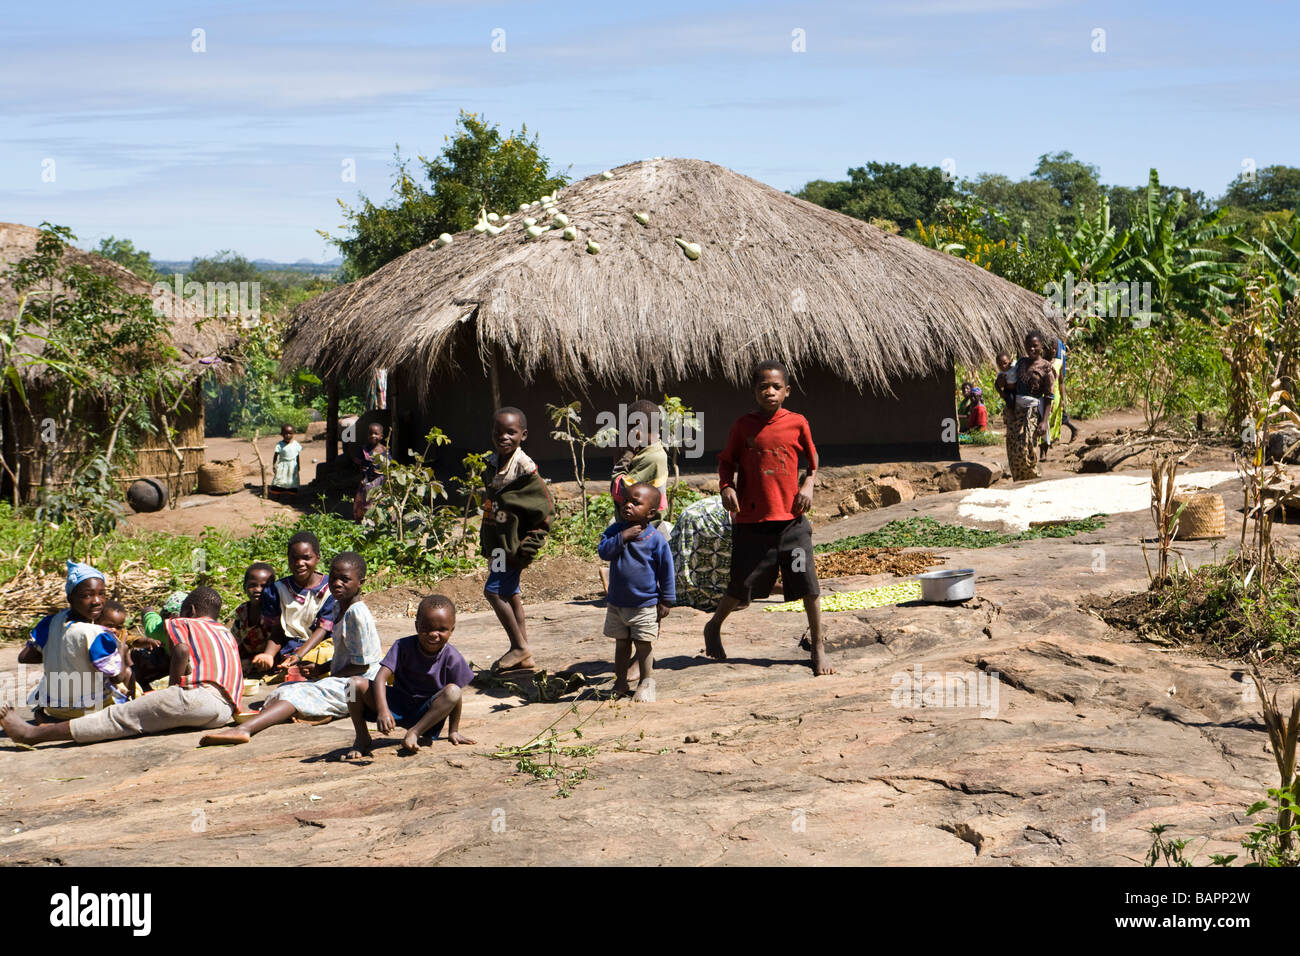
777	277
199	340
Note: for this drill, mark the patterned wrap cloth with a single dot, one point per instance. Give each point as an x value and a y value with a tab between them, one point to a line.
701	545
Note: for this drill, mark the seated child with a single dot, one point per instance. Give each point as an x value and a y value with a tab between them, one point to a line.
206	684
964	406
977	418
149	660
113	620
371	459
641	587
83	666
357	653
644	459
428	675
247	625
517	513
284	465
297	615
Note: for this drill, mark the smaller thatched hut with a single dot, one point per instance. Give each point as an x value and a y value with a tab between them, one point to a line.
204	346
869	323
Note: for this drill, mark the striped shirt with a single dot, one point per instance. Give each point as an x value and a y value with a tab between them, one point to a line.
214	655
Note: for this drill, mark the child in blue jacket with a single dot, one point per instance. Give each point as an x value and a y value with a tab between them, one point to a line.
641	589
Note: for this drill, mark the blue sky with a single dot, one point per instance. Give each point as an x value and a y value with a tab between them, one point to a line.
242	146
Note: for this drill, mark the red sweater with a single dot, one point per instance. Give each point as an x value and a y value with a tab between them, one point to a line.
761	460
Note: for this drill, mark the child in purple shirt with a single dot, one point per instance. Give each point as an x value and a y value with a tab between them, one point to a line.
428	676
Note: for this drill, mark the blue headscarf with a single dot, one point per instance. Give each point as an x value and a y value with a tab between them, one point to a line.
78	572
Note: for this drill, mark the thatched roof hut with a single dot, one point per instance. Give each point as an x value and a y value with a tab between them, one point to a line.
204	345
858	314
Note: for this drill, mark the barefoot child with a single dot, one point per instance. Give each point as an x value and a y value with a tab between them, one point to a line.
641	587
285	468
428	676
206	683
370	460
769	528
247	625
357	653
516	518
297	614
83	665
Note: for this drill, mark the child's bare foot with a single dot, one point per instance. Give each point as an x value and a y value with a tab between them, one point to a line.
713	641
821	664
645	692
411	742
360	748
232	735
621	688
14	726
514	660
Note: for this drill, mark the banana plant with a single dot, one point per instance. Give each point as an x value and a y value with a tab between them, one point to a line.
1088	258
1187	274
1283	255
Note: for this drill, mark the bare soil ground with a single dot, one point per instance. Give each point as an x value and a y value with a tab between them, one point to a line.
1016	729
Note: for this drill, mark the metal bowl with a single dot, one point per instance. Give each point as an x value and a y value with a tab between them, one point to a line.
944	587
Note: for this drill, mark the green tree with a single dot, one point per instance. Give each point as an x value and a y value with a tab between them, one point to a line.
1029	206
225	266
477	169
1273	189
901	194
124	252
111	354
1075	181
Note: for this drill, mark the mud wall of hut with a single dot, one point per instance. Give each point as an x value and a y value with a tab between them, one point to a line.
848	427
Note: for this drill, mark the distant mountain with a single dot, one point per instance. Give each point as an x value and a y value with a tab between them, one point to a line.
170	266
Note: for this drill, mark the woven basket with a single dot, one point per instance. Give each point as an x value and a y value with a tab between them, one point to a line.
221	477
1201	518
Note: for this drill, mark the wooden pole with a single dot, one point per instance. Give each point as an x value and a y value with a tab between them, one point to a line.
494	376
332	419
260	463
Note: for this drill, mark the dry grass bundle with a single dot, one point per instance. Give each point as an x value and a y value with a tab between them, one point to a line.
818	288
30	595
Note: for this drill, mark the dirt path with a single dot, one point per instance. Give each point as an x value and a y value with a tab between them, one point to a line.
1069	740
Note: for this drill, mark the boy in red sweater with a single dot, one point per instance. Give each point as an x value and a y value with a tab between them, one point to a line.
758	472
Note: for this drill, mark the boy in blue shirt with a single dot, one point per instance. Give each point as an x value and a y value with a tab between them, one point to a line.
641	588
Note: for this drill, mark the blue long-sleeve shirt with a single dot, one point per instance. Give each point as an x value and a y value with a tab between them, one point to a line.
640	570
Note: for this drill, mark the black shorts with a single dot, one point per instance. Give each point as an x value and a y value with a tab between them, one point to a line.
760	549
